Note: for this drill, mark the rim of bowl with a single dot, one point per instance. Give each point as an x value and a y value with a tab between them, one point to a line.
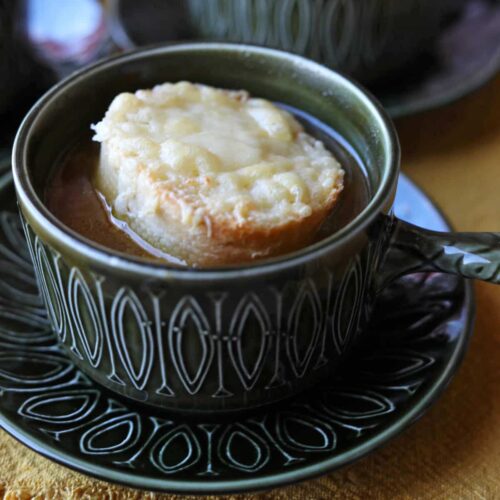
128	264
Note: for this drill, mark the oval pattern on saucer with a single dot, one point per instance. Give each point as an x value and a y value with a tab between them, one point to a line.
419	332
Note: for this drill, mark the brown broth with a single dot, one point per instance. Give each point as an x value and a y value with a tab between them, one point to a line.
71	197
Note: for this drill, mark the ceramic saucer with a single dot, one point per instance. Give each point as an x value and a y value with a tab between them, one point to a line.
419	334
465	56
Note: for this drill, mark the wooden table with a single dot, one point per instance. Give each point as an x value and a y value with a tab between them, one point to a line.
454	451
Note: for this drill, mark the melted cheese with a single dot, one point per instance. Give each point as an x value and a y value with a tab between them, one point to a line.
219	154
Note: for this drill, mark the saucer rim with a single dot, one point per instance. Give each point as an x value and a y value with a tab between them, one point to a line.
275	480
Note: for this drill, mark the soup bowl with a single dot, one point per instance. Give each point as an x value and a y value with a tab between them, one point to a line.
368	39
226	339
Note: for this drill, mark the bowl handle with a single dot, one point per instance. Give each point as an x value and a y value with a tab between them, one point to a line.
415	249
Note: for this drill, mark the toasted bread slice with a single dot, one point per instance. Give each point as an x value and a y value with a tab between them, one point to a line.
213	177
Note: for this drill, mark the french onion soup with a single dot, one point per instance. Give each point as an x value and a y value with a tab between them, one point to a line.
197	176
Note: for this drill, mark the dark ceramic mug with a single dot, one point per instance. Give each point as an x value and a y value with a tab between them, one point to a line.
224	339
368	39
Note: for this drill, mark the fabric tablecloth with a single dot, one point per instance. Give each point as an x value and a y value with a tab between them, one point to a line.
454	450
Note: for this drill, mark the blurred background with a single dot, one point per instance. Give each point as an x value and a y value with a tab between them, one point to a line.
413	54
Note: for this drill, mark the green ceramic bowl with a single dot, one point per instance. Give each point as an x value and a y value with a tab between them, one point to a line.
367	39
224	339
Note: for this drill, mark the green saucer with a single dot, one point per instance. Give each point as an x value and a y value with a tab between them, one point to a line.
420	330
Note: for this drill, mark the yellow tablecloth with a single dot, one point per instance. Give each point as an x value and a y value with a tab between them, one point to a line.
454	451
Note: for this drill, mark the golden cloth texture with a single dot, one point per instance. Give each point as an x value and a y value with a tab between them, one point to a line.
454	450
